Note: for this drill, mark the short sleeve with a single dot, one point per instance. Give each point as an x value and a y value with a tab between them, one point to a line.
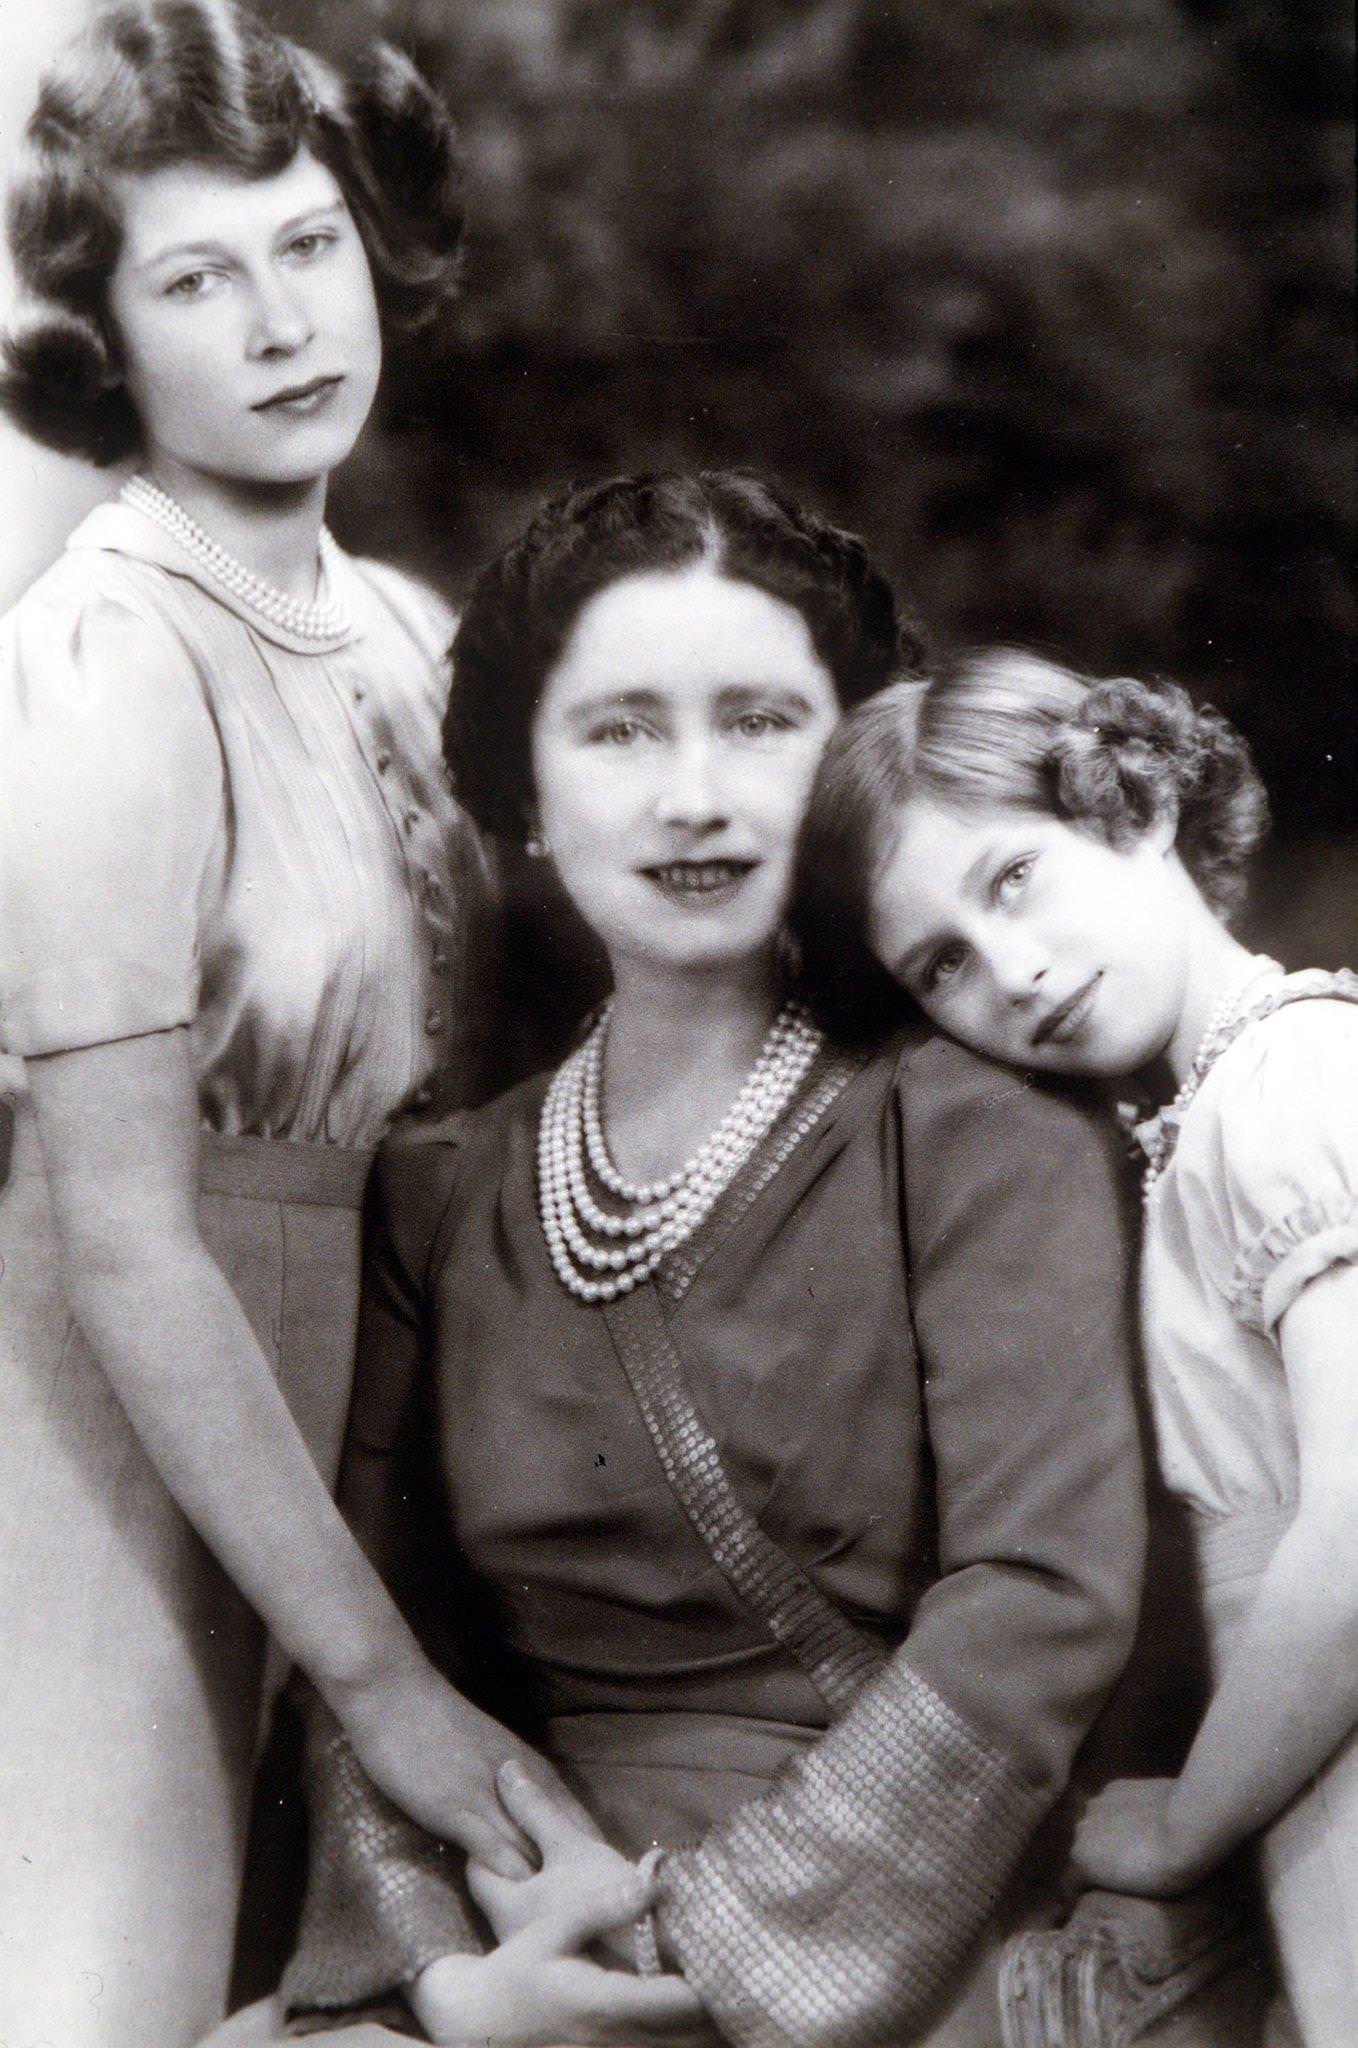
1287	1131
111	798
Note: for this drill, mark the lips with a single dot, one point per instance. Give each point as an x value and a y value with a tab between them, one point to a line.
306	397
1062	1023
699	880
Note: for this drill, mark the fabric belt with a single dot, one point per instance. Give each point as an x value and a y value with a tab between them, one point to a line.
251	1169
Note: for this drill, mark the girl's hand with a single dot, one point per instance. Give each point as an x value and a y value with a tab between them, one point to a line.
537	1989
436	1755
1126	1841
576	1862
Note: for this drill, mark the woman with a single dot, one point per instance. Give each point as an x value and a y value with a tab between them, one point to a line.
774	1384
230	891
1049	865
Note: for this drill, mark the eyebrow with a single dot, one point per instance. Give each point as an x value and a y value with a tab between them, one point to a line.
612	700
177	252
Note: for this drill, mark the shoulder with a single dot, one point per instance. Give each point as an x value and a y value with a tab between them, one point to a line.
1269	1151
420	612
90	629
948	1089
1276	1118
1291	1074
425	1165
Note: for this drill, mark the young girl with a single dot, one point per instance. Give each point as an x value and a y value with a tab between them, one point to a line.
1046	865
231	880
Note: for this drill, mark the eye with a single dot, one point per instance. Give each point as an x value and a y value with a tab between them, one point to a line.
1011	880
945	966
758	724
622	731
192	284
311	243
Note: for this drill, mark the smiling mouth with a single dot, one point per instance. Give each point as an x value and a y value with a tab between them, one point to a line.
1069	1017
301	398
699	881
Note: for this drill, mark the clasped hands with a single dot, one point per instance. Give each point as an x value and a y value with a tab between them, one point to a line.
541	1985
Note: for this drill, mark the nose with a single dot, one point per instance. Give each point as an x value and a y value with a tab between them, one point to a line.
282	323
690	793
1018	965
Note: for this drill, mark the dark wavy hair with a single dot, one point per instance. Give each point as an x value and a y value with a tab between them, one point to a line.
1009	727
151	83
523	606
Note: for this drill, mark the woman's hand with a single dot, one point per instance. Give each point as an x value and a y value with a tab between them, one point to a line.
537	1989
576	1861
437	1756
1126	1841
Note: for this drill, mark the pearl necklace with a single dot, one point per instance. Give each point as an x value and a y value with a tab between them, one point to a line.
599	1253
1159	1135
329	620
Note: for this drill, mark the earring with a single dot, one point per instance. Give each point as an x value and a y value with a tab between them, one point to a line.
536	847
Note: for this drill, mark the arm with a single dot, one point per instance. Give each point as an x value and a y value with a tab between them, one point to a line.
840	1907
1264	1736
385	1900
118	1124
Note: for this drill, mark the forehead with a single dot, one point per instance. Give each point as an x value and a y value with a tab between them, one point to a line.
680	630
191	202
929	851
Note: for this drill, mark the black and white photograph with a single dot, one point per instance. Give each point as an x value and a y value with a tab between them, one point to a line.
678	1024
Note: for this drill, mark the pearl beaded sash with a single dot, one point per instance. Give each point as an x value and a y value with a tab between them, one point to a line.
599	1252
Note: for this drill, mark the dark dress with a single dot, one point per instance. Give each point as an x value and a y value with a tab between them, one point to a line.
906	1326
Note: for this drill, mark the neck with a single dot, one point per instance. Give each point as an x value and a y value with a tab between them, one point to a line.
273	529
679	1050
1218	965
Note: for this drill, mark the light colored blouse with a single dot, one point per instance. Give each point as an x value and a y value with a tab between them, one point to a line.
1259	1197
206	821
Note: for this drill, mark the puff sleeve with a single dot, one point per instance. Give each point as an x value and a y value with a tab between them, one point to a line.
1287	1170
111	798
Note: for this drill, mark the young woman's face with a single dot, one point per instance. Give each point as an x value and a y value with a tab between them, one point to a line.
674	748
245	313
1033	941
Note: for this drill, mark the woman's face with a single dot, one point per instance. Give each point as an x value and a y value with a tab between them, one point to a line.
247	321
674	747
1033	941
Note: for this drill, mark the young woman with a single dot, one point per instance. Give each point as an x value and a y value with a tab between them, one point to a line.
777	1387
1046	865
230	888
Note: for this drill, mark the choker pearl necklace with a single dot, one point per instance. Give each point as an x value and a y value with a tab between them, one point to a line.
1159	1135
601	1252
329	620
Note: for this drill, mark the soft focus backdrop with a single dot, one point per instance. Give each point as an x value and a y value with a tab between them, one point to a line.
1051	298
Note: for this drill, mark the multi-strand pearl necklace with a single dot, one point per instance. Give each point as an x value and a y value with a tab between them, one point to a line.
1160	1134
600	1252
329	620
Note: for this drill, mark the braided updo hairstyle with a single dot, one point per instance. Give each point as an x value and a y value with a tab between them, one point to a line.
150	83
523	606
1007	727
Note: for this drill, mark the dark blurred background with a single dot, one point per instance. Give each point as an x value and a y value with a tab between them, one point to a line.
1052	299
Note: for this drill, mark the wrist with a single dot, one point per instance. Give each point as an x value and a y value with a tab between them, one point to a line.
361	1682
1192	1848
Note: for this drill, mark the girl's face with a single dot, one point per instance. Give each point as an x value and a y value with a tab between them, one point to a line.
1034	941
247	320
674	747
